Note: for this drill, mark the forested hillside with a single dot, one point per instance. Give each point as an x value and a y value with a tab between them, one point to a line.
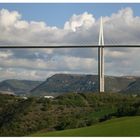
20	117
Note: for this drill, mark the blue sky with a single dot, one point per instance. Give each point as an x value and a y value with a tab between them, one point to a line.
57	14
75	24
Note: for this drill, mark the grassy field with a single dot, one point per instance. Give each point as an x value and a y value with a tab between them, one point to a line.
126	126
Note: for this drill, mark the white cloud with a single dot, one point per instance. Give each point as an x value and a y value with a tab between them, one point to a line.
119	28
85	20
8	18
5	54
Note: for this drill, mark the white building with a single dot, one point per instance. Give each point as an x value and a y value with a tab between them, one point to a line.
25	98
49	97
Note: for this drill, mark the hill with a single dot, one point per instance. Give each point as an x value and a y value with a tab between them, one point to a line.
133	87
66	83
72	83
18	86
126	126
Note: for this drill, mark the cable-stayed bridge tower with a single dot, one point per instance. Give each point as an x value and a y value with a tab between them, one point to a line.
101	58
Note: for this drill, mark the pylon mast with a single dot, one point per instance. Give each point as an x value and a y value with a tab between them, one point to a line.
101	58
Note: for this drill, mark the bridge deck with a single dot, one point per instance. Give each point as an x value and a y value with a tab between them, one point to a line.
74	46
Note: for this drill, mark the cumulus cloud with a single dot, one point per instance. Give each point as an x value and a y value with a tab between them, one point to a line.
9	18
121	27
85	20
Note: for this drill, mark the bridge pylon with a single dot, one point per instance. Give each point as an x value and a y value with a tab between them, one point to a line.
101	58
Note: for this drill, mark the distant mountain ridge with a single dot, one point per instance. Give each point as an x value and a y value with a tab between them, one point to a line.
66	83
18	86
73	83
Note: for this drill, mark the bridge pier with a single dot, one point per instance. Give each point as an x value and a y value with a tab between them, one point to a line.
101	68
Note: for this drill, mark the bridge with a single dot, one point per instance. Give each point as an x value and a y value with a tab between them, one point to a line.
101	45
